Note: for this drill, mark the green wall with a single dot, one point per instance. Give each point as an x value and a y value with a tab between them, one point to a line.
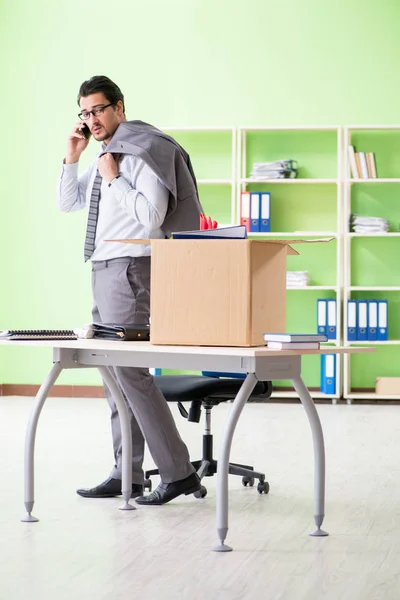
183	62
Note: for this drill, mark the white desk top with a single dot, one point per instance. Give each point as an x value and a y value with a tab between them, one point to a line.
258	351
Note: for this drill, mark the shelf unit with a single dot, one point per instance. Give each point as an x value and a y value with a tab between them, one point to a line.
367	256
315	204
318	151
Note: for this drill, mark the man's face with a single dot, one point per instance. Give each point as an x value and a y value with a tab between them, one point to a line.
102	126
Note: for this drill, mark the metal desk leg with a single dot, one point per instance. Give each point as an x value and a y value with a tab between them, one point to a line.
319	454
223	460
30	440
126	434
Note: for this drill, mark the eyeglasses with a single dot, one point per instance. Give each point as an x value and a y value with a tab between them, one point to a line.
96	112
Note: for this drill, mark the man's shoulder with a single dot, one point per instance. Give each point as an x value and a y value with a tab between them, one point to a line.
140	127
136	131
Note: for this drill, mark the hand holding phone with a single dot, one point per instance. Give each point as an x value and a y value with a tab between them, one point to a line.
85	131
78	141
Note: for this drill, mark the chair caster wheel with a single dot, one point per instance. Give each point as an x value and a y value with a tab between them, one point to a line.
263	487
202	493
147	485
248	481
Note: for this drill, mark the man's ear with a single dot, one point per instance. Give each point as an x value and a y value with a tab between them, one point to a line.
120	107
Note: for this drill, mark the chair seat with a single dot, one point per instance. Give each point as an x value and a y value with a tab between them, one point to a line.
186	388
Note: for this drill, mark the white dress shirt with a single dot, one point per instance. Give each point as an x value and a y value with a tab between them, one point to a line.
133	207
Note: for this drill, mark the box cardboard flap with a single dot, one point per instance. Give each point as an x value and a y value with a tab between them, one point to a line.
290	242
287	243
290	250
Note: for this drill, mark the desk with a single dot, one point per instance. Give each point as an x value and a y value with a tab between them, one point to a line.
258	363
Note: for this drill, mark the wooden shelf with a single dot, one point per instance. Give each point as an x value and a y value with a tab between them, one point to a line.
388	234
371	396
293	234
374	288
290	181
377	180
372	343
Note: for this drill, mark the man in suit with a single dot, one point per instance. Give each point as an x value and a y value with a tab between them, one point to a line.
127	199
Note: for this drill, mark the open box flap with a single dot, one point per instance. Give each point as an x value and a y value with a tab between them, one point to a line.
287	243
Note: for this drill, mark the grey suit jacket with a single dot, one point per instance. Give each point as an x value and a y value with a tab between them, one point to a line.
171	163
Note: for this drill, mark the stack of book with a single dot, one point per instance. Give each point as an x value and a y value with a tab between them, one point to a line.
279	169
308	341
360	224
362	164
294	341
297	279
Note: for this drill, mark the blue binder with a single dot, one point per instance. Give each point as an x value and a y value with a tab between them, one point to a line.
362	320
254	212
372	329
265	211
322	374
382	320
328	373
331	319
321	316
351	320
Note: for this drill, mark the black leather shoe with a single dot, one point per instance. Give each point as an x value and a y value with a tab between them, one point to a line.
165	492
109	489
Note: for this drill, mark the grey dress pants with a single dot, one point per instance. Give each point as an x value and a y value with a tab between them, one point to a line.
121	294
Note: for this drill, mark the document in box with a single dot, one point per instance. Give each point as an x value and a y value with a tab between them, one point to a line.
235	232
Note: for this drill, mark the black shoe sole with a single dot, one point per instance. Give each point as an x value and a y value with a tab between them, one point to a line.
133	495
98	495
191	490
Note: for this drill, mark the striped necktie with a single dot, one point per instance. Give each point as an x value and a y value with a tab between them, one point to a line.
92	217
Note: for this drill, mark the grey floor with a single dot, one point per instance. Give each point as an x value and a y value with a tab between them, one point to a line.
87	549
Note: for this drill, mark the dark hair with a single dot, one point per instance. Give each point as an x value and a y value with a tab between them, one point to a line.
101	83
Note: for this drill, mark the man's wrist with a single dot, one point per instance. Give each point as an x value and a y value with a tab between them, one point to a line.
113	179
73	158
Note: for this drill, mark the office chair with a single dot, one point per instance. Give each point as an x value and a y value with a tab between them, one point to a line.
207	392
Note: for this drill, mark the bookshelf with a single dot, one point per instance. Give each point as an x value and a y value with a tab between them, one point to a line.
309	206
317	204
370	259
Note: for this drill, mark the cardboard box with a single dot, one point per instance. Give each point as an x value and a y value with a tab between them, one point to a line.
388	386
218	292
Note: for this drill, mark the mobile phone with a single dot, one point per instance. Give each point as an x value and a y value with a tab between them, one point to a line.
85	131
